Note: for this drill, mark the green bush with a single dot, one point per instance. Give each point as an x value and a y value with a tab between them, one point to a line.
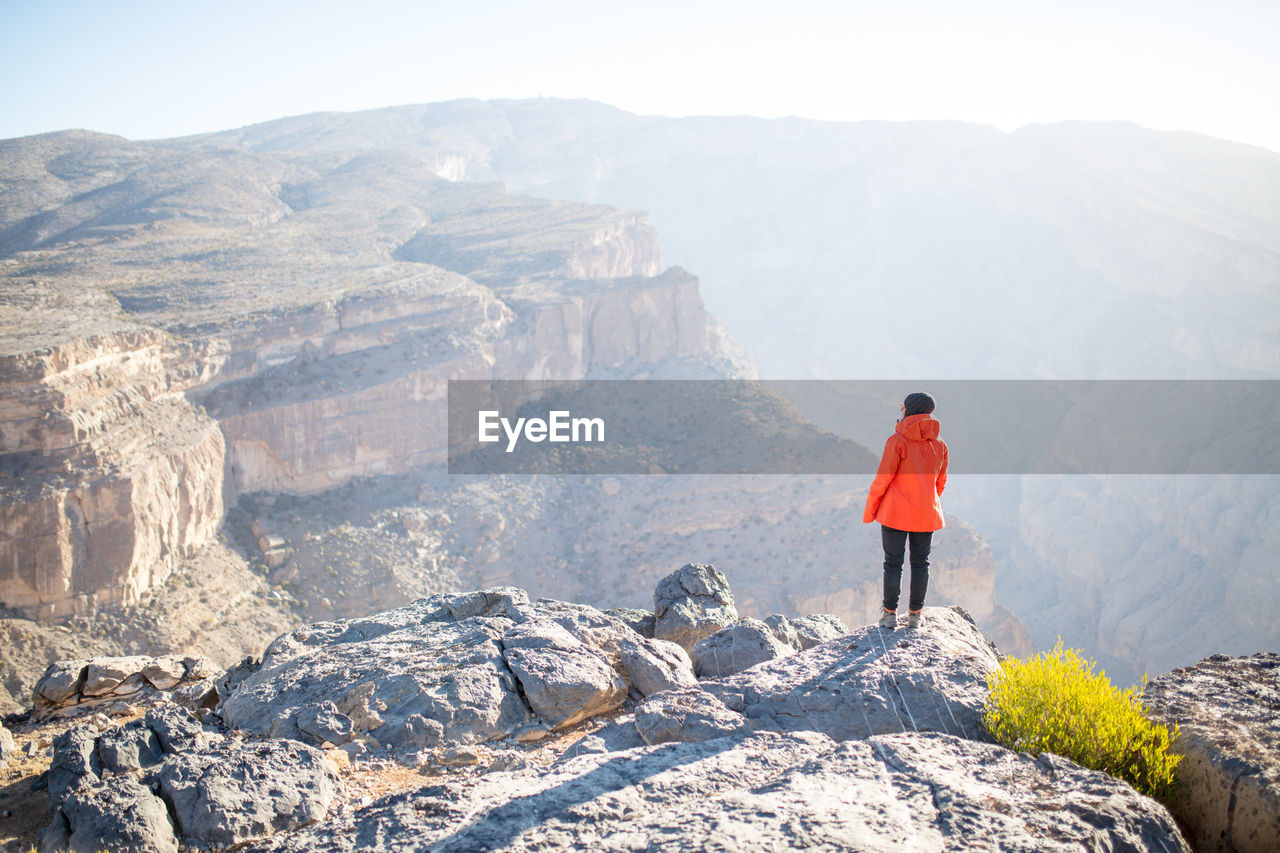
1055	703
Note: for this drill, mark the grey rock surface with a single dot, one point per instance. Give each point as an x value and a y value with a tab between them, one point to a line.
213	790
235	791
380	671
638	620
817	628
656	665
864	683
175	728
449	670
61	682
564	680
75	757
492	601
691	603
592	626
736	647
121	816
768	791
72	682
325	723
614	736
783	630
105	675
128	748
164	673
1228	713
688	716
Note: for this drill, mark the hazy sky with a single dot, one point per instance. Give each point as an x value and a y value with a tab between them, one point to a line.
155	69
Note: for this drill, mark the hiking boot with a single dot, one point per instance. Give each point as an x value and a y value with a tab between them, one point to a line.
914	618
889	619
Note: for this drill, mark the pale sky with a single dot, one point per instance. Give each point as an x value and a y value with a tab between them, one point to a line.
157	69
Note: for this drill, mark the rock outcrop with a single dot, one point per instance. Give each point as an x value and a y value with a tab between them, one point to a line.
770	791
451	670
691	603
68	684
870	681
869	740
163	779
736	647
1228	713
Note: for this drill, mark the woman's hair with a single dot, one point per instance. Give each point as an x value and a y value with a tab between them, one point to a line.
918	403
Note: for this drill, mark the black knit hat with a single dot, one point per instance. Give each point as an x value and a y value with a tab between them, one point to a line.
918	403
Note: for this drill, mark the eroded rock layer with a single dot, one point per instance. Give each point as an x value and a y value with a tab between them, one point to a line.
189	326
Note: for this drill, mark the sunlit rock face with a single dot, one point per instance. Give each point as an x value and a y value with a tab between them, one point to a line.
112	475
198	325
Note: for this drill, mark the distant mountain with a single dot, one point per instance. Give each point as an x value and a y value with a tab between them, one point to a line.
894	250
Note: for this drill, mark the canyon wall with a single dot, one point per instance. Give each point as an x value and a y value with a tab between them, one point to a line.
297	403
135	406
280	334
110	475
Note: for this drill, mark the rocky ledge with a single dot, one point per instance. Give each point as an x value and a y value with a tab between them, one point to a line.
533	725
1228	713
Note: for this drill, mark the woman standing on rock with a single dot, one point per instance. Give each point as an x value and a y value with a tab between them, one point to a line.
904	498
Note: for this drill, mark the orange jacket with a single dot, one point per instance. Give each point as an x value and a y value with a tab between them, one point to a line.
911	477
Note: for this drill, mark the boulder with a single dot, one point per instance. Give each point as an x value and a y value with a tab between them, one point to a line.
691	603
1228	712
593	627
769	791
736	647
106	674
235	791
213	790
564	680
493	601
805	632
865	683
380	671
121	816
686	716
656	665
61	683
75	758
815	629
783	630
68	683
165	673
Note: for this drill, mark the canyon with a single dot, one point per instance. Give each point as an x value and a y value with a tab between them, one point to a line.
224	377
946	250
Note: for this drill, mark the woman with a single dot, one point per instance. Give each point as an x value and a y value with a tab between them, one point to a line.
904	499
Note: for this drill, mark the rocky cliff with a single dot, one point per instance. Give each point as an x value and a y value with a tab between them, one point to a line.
199	340
318	328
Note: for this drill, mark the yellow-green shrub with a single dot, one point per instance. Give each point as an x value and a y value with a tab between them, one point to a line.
1054	702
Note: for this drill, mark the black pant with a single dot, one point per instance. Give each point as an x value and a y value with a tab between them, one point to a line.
895	548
